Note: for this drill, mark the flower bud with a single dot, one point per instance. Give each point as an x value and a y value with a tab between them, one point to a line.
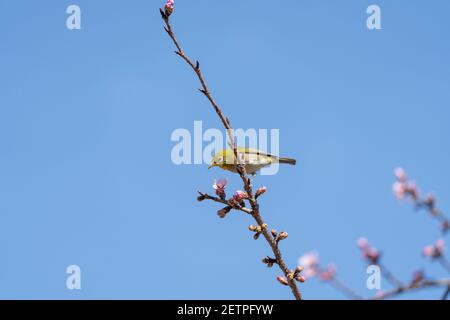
201	197
282	235
269	261
223	212
283	280
260	191
298	270
240	195
168	7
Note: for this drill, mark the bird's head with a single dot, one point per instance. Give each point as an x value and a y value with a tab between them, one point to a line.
218	160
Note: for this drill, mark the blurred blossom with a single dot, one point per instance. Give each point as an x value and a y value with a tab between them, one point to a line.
440	244
428	251
430	200
418	276
434	251
403	187
368	252
329	273
363	243
400	174
310	264
399	189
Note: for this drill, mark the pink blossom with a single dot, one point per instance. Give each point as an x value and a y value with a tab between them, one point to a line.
403	187
372	254
363	243
169	4
240	195
400	174
309	273
329	273
310	264
308	260
412	189
399	189
168	7
219	186
368	252
440	245
428	251
434	251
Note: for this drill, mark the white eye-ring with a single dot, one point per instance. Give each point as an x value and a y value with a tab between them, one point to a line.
219	159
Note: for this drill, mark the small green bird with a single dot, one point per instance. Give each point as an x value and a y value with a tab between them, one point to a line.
253	159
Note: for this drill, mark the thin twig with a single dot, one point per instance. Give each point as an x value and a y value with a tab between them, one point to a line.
340	286
389	276
413	287
446	294
255	213
218	200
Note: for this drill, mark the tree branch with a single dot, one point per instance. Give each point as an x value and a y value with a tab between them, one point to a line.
255	212
413	287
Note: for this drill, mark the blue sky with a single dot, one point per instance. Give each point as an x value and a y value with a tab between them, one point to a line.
86	116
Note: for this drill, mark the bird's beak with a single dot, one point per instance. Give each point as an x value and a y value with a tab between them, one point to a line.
212	165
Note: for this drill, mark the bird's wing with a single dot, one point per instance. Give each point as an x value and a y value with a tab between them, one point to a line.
258	159
255	151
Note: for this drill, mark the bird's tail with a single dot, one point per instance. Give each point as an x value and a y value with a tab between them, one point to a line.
288	161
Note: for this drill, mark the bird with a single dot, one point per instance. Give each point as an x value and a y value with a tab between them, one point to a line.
253	159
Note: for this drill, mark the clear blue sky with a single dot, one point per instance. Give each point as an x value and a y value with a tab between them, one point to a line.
86	117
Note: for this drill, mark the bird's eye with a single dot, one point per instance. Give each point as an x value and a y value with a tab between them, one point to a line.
219	160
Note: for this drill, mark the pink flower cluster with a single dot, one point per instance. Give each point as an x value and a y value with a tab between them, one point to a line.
311	267
434	251
239	196
368	252
403	188
220	185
